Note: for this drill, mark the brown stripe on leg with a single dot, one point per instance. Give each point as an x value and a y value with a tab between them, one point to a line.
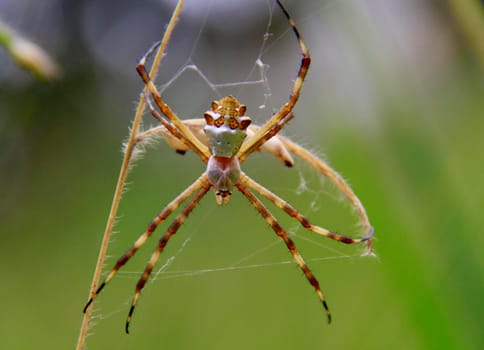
294	213
171	231
266	137
271	220
250	146
165	213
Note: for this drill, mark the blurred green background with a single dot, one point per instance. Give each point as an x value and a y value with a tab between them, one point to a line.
394	100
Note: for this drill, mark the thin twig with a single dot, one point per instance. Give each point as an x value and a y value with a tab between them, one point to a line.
122	177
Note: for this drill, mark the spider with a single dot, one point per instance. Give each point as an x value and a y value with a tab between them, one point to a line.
224	139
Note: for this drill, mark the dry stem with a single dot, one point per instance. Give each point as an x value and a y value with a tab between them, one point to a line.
122	178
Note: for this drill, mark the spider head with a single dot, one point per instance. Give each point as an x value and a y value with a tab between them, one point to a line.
226	127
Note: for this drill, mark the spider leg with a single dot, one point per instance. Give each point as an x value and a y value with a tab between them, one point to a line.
294	213
171	231
173	132
337	180
287	160
184	132
165	213
252	144
271	220
323	168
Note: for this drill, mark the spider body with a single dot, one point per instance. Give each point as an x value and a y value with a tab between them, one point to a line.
223	139
225	130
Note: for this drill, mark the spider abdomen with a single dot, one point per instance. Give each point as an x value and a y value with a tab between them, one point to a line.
223	173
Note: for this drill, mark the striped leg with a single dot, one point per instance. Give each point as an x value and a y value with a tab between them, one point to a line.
165	213
266	137
337	180
179	220
187	135
292	212
271	220
252	144
168	126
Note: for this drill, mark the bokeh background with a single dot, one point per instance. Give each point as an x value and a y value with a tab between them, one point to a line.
394	100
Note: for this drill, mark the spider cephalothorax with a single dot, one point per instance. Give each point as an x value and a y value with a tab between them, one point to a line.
226	127
225	131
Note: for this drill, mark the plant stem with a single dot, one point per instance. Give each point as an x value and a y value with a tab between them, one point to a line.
122	178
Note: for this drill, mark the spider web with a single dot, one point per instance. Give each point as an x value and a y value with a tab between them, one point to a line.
261	78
